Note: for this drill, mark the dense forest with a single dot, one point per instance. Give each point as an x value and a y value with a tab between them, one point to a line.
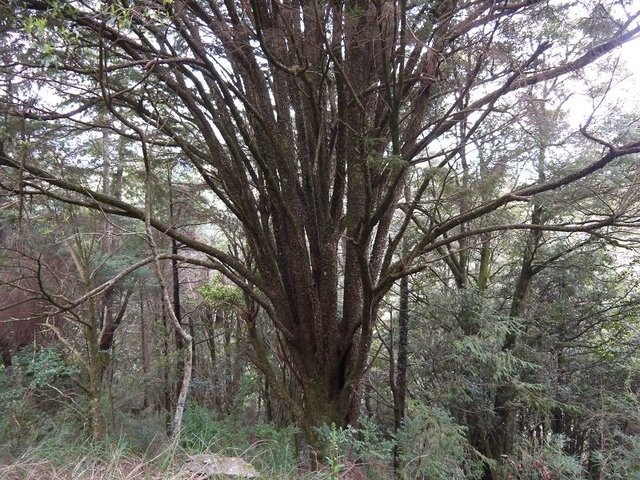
340	239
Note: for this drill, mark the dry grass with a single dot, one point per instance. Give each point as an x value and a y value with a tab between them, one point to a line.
116	462
120	470
168	466
31	466
132	469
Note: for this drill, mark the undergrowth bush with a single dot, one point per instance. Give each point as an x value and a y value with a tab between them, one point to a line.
265	446
364	447
36	399
544	461
620	461
433	446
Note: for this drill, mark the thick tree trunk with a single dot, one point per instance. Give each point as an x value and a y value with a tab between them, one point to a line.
329	389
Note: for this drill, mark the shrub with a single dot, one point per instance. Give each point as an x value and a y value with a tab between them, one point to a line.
545	461
265	446
364	447
36	398
433	446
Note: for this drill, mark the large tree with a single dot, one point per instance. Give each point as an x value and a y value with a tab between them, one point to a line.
305	120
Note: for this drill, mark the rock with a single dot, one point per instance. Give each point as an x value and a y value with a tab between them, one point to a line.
212	466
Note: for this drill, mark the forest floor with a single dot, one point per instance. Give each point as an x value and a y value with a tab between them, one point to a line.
33	464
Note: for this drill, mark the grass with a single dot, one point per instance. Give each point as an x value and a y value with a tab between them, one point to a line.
51	444
116	461
43	435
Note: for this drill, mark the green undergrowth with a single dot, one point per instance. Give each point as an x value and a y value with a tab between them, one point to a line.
269	449
48	449
44	434
277	453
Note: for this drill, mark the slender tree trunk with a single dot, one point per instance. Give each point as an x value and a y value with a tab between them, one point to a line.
95	374
400	387
166	368
177	311
144	353
501	437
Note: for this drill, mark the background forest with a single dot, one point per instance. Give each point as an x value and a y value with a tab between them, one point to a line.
339	239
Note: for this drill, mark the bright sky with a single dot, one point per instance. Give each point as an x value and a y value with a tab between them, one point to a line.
631	56
625	94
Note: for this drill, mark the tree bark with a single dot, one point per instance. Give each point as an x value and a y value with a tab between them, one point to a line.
400	386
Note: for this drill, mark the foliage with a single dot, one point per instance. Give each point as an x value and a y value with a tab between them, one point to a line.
45	366
35	398
346	447
220	295
433	446
545	461
621	460
269	447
